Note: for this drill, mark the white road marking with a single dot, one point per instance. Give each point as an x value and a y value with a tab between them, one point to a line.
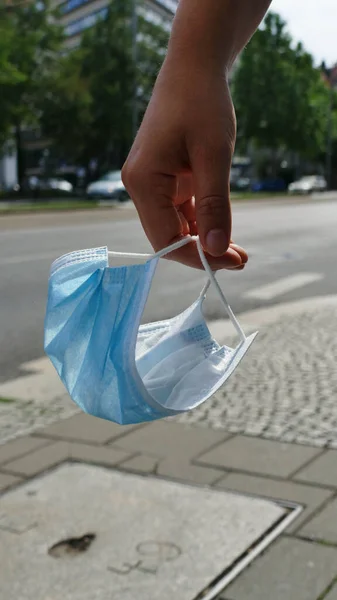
283	286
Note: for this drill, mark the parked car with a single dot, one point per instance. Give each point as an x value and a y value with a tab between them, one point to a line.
308	185
61	185
269	185
110	186
37	187
241	184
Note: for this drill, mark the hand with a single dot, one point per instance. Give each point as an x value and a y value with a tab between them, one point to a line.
177	172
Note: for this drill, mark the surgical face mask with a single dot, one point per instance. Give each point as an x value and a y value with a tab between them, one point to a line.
117	369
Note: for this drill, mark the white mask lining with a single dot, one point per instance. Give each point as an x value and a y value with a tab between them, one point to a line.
211	275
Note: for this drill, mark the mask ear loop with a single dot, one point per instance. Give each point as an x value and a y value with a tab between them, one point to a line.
211	278
160	254
129	255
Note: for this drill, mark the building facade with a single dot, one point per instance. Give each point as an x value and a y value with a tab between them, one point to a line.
78	15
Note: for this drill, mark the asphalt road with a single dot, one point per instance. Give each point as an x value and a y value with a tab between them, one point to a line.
292	246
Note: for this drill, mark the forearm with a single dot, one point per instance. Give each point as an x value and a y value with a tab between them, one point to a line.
212	33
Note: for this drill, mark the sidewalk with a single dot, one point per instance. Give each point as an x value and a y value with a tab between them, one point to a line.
301	563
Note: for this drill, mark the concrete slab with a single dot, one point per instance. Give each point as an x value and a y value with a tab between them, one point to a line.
171	439
322	471
155	539
258	456
7	480
20	447
290	570
324	525
85	428
36	462
310	497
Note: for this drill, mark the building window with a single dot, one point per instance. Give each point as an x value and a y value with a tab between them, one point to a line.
70	5
155	18
85	22
170	5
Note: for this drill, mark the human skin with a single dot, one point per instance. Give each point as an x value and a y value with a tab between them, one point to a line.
178	169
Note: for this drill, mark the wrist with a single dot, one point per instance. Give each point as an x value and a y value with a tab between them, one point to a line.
209	34
188	61
188	69
196	45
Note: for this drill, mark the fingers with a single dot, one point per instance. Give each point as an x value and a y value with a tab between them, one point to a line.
243	254
164	223
213	213
153	197
210	160
234	258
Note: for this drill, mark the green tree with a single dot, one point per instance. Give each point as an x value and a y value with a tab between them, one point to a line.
65	109
280	97
29	50
10	77
88	112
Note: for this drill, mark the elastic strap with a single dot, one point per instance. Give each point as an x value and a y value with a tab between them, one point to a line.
130	255
160	254
213	279
211	276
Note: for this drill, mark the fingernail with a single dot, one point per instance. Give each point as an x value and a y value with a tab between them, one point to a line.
216	242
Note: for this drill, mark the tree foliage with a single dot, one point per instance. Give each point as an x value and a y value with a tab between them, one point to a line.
280	97
88	111
83	100
29	50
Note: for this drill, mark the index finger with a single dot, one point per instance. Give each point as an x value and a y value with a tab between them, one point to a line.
153	195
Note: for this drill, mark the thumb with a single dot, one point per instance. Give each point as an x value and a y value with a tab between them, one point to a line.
211	171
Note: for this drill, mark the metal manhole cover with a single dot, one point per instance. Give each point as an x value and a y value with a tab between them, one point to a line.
154	538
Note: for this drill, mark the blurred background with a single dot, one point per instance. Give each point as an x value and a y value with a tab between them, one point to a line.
76	77
75	80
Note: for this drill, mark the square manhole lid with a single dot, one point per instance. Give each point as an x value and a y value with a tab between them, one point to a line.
154	538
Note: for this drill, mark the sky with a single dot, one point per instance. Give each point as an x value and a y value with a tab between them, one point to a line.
313	22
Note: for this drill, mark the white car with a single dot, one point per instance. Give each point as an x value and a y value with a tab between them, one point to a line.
308	185
60	184
110	186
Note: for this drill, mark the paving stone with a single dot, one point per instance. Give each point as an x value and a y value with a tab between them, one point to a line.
85	428
102	455
185	471
141	464
19	447
289	570
308	496
8	480
165	439
40	460
259	456
285	390
324	525
323	470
